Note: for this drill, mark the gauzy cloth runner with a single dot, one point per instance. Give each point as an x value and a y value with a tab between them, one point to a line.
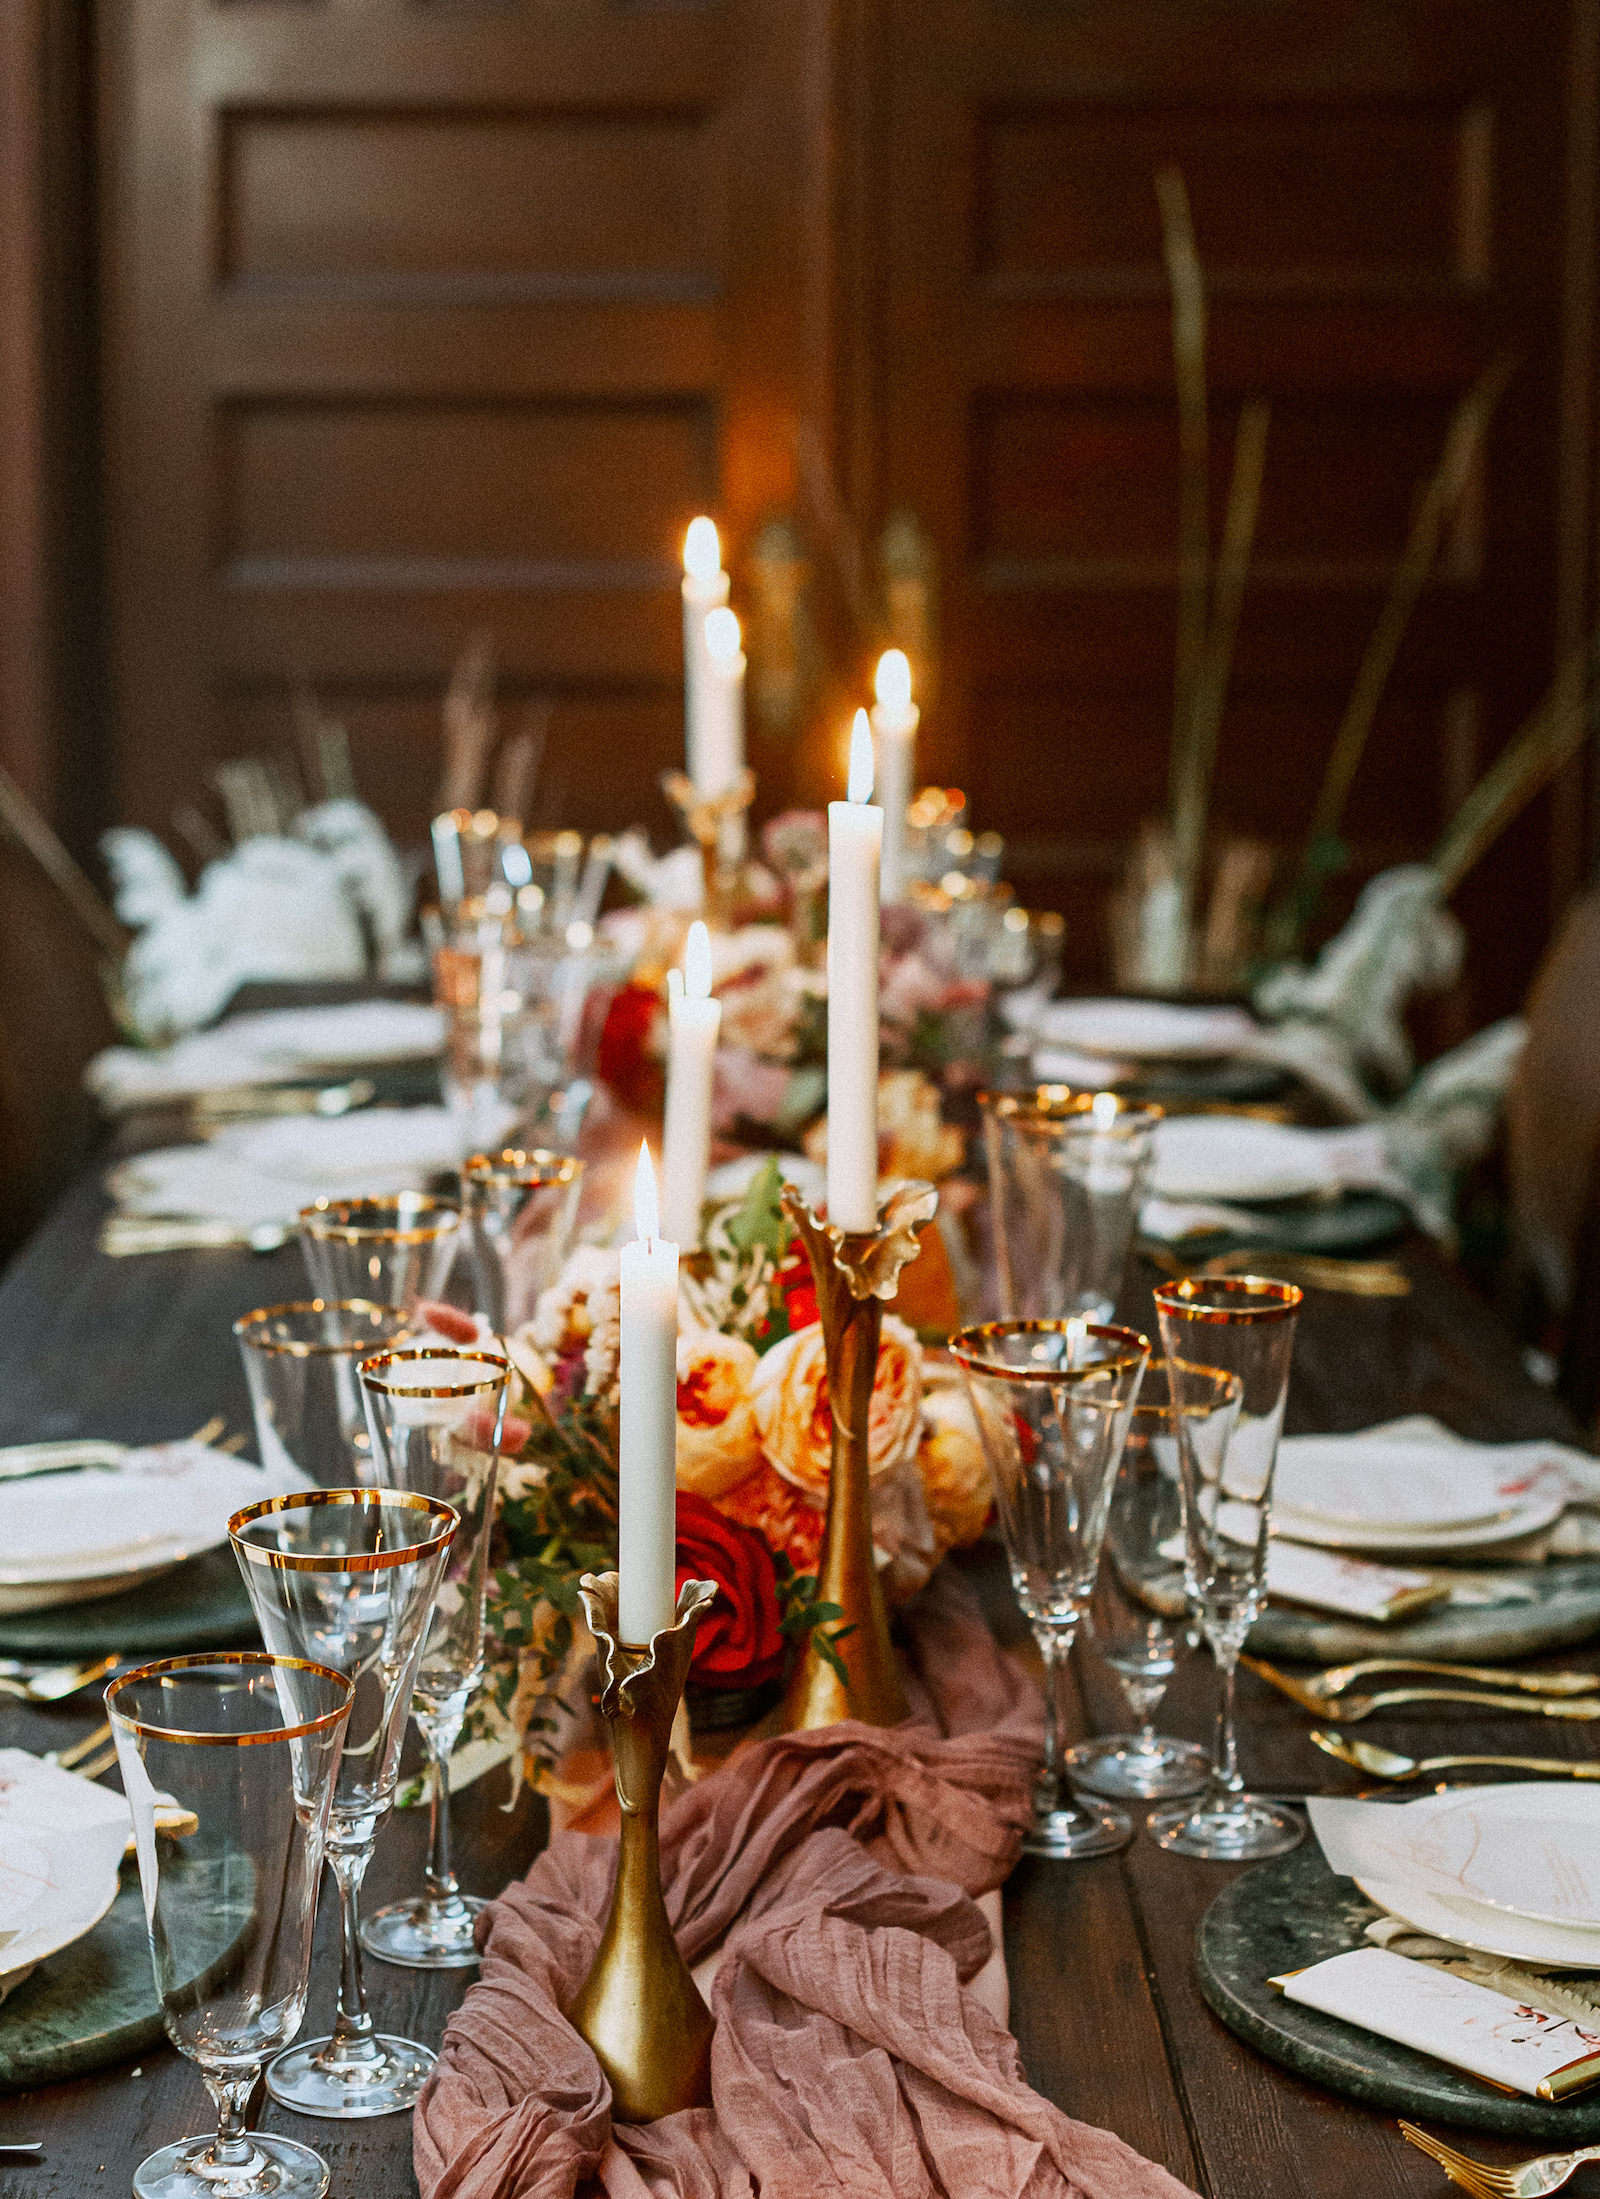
837	1868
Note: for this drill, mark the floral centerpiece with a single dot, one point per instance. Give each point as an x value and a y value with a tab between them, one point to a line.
753	1449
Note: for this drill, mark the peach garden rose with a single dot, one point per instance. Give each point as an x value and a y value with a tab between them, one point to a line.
793	1417
717	1440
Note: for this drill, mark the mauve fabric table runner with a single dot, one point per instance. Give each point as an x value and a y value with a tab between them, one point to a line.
837	1870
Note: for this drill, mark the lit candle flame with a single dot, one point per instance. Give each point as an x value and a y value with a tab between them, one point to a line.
860	789
1105	1110
702	551
646	1207
697	963
892	684
723	637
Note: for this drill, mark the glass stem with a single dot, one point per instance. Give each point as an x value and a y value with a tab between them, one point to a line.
439	1737
1225	1779
1056	1646
352	2039
233	2146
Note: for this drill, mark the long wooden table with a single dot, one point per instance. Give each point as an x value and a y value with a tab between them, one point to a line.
1105	2003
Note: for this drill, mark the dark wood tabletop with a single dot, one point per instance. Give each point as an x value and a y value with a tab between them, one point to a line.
1105	2004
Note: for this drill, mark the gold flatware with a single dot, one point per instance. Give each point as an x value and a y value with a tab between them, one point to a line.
1349	1708
209	1430
126	1236
1317	1271
53	1683
1390	1764
1528	2180
68	1759
1324	1685
255	1102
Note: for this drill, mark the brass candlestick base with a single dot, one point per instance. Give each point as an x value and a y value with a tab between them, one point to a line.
716	823
639	2008
854	1274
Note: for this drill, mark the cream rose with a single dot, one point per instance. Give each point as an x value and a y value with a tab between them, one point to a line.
793	1417
955	1477
717	1440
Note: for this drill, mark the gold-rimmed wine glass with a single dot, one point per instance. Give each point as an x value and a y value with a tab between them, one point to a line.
1067	1172
437	1419
348	1577
1053	1400
300	1362
520	1206
395	1251
1229	1340
249	1745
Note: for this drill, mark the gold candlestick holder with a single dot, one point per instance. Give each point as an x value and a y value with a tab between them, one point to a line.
855	1273
639	2007
716	824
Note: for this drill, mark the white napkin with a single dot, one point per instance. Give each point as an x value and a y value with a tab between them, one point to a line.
1139	1030
275	1047
61	1840
159	1497
252	1173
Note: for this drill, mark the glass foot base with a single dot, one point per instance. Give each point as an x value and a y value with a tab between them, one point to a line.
1083	1829
1242	1831
1131	1769
350	2091
279	2168
421	1935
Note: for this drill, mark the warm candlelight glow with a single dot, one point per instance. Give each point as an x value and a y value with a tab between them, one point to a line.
860	788
646	1210
702	551
697	963
892	685
723	638
1105	1110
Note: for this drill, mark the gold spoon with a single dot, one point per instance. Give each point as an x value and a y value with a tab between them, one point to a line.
1348	1708
1389	1764
1323	1686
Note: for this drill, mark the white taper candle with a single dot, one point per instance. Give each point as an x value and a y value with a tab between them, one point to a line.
894	728
647	1489
705	589
694	1019
855	844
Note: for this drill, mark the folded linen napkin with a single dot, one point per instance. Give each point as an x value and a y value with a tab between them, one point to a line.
837	1870
274	1047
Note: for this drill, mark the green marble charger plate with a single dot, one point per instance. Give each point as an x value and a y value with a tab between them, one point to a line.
1291	1912
1538	1607
95	2002
200	1605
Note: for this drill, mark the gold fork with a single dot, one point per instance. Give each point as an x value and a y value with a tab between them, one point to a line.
1348	1709
1529	2180
1324	1685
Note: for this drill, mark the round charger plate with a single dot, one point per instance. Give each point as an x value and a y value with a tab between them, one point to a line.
201	1605
1350	1223
95	2002
1291	1912
1542	1607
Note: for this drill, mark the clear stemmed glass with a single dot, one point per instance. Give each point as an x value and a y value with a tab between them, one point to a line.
300	1362
520	1208
1139	1618
1240	1328
395	1251
1067	1173
437	1420
1053	1401
250	1745
348	1577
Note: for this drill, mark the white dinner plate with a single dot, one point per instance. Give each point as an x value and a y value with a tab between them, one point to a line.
1400	1486
1526	1517
1541	1860
1144	1030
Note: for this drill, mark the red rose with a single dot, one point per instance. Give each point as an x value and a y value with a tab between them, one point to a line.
739	1644
631	1048
797	1288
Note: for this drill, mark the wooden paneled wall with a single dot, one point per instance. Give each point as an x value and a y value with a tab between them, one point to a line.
423	318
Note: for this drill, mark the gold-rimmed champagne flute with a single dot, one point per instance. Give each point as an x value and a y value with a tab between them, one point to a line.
520	1207
250	1746
1239	1331
348	1577
395	1251
1067	1172
300	1362
437	1419
1053	1401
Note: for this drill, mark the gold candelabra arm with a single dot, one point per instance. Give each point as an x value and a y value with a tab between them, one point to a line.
855	1274
639	2008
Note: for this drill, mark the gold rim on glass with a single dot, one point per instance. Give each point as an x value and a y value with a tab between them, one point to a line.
513	1165
1147	1408
1241	1298
372	1372
967	1345
256	1659
335	1220
1069	1104
352	1561
293	1349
